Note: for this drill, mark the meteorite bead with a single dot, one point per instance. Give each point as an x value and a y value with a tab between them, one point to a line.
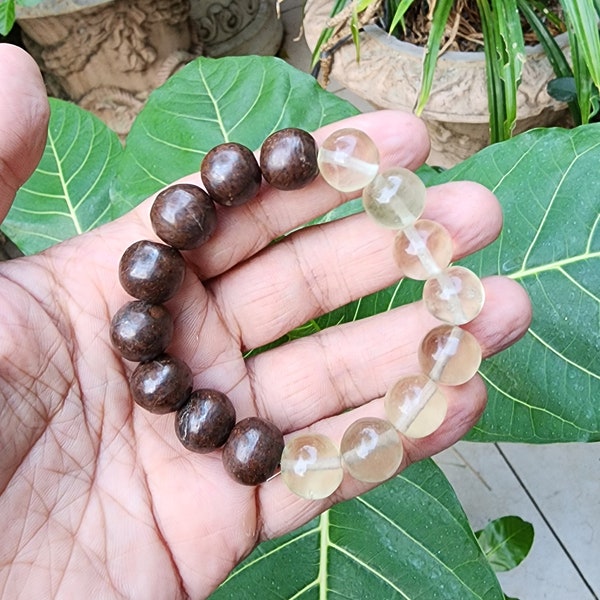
348	160
253	451
288	159
449	355
371	450
140	330
415	406
162	384
311	466
231	174
183	216
455	295
395	198
205	421
423	250
151	271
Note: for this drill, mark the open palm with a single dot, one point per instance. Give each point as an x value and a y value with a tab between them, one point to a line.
97	495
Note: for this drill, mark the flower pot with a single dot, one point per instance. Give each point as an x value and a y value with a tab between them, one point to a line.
238	27
389	76
108	55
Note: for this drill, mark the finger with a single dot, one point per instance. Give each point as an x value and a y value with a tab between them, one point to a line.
321	268
346	366
242	231
24	113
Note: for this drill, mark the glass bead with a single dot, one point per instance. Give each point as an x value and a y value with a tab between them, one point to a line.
455	296
395	199
449	355
311	466
348	160
415	406
423	250
371	450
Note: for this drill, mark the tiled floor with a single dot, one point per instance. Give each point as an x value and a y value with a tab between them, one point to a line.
557	488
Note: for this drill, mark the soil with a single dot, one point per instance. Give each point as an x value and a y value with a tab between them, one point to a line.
463	32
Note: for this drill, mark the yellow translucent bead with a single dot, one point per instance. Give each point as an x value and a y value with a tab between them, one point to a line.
455	295
415	406
311	466
371	450
395	198
449	355
348	160
423	250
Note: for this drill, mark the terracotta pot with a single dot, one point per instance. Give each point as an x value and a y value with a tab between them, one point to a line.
389	76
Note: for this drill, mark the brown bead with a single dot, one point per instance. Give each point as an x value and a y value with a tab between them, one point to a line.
140	330
288	159
183	216
151	271
205	421
161	385
231	174
253	451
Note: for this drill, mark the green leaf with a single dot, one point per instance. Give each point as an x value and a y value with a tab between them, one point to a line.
69	191
563	89
583	17
211	101
506	542
438	25
7	16
398	17
406	539
545	388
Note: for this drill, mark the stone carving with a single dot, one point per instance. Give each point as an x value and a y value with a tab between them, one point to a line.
389	76
219	21
109	56
236	27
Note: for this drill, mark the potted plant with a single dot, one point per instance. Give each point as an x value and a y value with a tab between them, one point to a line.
467	98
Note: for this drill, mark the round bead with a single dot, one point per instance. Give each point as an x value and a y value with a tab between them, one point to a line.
140	330
162	384
183	216
371	450
348	160
449	355
288	159
423	250
311	466
455	296
395	198
253	451
231	174
151	271
415	406
205	421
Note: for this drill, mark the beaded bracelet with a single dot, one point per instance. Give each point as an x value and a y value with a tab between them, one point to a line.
184	216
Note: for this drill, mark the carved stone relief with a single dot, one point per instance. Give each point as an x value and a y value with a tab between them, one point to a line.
110	56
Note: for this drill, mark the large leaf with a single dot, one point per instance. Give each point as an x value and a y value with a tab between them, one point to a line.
546	387
406	539
69	191
210	101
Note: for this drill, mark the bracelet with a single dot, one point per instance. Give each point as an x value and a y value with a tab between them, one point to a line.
184	217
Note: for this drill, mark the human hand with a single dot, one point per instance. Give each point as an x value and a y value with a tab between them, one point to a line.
97	495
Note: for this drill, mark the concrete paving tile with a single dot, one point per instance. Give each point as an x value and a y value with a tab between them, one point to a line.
488	489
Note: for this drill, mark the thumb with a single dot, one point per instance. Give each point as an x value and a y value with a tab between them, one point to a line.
24	113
